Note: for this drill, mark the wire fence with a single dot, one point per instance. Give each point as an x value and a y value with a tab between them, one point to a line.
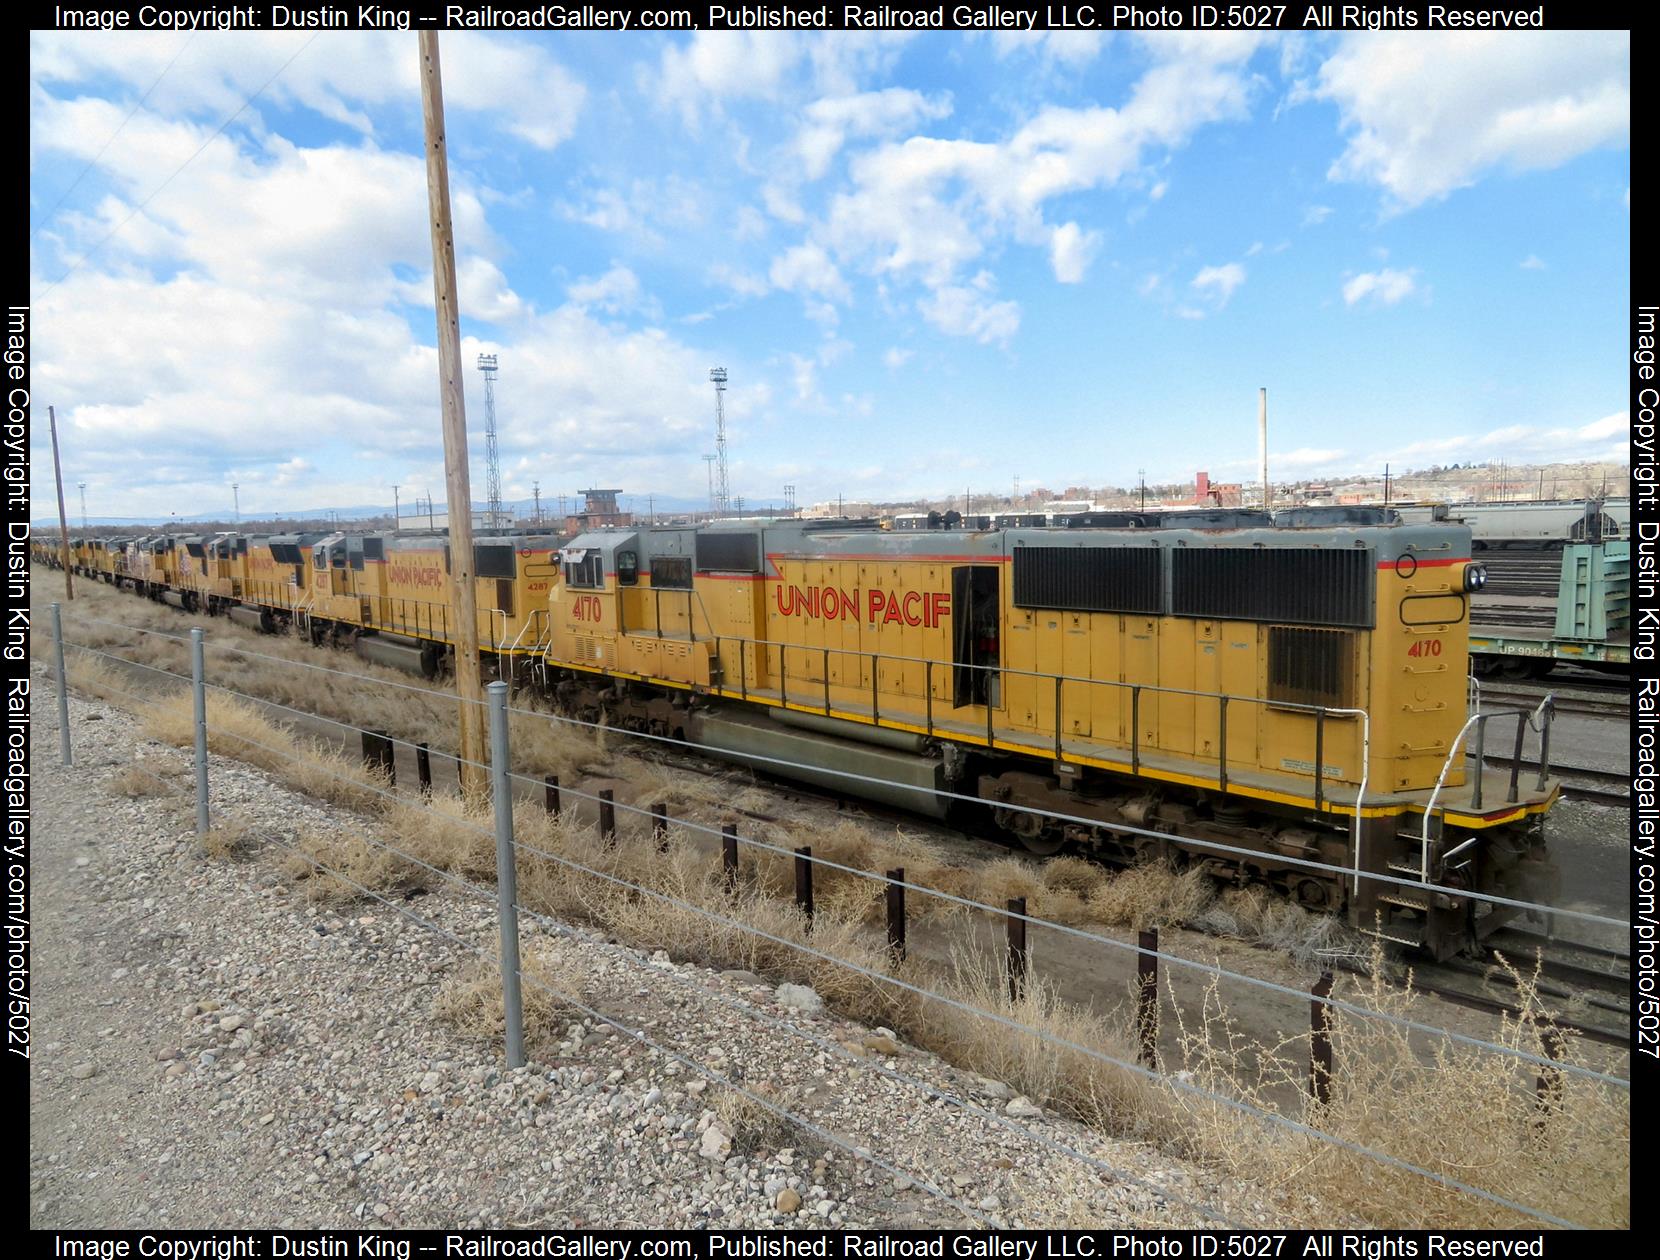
510	849
608	804
784	766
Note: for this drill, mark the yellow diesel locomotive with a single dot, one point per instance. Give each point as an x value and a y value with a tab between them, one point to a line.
1289	693
385	595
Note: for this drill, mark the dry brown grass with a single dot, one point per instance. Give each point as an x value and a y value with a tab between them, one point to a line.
471	1001
1458	1111
230	838
139	781
752	1126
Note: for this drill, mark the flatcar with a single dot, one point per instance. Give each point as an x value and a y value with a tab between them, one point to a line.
1296	694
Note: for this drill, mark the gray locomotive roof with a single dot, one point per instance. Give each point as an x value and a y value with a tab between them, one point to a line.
1438	540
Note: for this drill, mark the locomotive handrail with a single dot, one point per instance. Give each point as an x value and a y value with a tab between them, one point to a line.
1546	708
1292	705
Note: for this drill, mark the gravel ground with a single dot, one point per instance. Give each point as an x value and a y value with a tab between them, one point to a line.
211	1049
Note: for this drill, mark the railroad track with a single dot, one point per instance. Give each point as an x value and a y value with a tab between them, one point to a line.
1579	783
1608	702
1590	984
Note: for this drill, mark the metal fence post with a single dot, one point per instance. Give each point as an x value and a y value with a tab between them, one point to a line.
507	884
729	855
63	687
660	826
1017	947
607	818
550	795
198	685
423	768
804	882
1319	1053
1147	995
896	913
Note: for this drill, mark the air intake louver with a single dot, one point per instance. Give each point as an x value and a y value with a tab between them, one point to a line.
1305	586
1088	579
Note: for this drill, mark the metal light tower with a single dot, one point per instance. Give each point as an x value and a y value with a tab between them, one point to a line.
82	485
723	487
236	501
709	463
789	500
395	513
536	490
487	365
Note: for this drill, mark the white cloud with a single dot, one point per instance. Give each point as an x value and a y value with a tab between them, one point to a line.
1218	283
897	357
926	210
615	291
807	268
1532	263
1067	48
968	311
1314	216
1384	287
1605	439
699	75
267	295
833	121
743	283
1071	250
508	78
1426	116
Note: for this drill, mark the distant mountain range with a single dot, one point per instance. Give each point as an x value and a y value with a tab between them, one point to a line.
637	503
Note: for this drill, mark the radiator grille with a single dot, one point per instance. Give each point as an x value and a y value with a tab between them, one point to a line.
672	572
729	553
1306	586
494	561
1088	579
1311	666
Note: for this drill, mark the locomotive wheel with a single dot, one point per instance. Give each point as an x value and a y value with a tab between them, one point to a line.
1045	843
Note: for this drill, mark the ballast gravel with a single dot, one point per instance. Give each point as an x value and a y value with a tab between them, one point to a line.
212	1049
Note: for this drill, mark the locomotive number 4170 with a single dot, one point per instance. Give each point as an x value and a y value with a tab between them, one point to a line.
1425	647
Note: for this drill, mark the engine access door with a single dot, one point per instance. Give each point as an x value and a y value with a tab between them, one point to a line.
976	613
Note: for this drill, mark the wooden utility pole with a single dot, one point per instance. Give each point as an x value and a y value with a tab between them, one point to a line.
63	520
468	686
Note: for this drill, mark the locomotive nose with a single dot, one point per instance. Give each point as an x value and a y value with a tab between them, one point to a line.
1475	577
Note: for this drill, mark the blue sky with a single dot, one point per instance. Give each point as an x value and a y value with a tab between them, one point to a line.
928	263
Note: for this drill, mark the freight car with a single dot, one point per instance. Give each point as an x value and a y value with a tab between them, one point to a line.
1294	694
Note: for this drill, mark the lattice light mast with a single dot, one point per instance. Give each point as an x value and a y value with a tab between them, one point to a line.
82	485
492	459
723	486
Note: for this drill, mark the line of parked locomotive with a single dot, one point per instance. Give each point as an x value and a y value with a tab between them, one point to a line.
1293	689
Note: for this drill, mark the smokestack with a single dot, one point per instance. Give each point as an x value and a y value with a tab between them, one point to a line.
1262	441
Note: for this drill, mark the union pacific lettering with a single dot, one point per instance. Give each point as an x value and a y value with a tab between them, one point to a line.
829	603
406	574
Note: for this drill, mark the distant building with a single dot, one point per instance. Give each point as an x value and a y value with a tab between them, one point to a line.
1208	493
840	507
599	509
